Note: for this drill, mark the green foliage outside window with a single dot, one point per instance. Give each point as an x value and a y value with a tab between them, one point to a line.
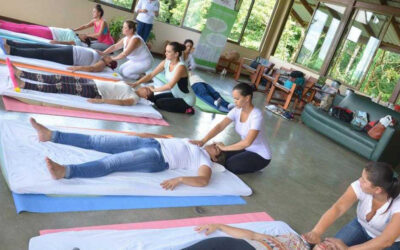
172	11
289	42
127	4
196	15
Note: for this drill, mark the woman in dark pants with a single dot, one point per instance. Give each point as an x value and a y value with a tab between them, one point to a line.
252	152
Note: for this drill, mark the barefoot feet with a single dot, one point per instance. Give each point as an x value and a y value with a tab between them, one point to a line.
56	170
44	133
5	46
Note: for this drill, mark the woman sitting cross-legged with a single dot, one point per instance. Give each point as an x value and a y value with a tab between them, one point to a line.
118	93
132	154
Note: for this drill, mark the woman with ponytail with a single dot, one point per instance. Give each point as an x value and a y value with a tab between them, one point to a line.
377	225
181	97
101	38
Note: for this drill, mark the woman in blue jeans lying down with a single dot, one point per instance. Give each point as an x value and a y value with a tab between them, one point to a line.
132	153
208	94
377	225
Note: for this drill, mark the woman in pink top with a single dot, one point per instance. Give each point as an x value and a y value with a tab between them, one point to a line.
102	38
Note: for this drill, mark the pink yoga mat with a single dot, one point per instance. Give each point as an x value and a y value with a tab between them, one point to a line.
12	104
226	219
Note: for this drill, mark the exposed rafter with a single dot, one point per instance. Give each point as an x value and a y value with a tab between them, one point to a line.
307	6
296	16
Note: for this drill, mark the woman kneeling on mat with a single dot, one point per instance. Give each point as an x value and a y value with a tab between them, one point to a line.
252	152
83	59
132	154
118	93
181	98
377	225
134	49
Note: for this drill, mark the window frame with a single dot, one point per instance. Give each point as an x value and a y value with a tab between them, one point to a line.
134	2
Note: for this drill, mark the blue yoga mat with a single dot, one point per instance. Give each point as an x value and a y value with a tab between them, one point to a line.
16	39
37	203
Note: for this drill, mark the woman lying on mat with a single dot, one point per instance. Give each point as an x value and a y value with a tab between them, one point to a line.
243	239
181	98
134	49
118	93
377	225
83	59
252	152
133	154
102	38
209	94
56	35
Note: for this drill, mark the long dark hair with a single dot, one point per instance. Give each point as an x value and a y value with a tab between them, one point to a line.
100	9
381	174
177	47
188	41
244	89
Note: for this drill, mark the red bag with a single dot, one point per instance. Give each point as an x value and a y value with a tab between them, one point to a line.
377	131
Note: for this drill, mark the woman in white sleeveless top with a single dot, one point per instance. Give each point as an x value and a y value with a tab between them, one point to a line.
135	50
181	97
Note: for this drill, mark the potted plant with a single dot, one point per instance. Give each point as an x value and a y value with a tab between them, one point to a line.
115	27
150	40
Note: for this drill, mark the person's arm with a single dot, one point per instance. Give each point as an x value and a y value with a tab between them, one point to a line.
231	231
213	132
125	102
97	67
329	217
114	47
150	76
180	72
133	44
85	26
386	239
65	43
246	142
201	180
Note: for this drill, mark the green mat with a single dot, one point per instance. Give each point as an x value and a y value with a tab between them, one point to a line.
202	105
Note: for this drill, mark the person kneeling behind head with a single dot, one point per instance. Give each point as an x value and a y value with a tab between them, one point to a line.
133	154
118	93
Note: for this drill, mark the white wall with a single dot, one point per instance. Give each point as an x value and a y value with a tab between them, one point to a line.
73	13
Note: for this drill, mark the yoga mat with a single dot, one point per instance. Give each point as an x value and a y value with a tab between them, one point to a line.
22	40
12	104
59	71
37	203
225	219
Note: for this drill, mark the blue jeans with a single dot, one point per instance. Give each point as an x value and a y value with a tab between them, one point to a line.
209	94
127	154
353	234
143	30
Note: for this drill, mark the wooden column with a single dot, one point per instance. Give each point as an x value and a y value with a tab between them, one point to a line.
395	94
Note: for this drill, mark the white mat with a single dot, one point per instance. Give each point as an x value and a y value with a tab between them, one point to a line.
106	73
142	109
24	36
152	239
26	170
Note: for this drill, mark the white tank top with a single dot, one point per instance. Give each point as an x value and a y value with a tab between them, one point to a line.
116	91
190	97
85	56
141	53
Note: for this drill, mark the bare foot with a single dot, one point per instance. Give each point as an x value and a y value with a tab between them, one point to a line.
17	72
44	133
6	46
56	170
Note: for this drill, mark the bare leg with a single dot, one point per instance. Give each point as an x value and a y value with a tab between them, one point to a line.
6	46
44	133
56	170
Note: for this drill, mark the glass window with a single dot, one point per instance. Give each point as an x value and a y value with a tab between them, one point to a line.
294	31
320	35
358	48
172	11
125	4
240	20
196	14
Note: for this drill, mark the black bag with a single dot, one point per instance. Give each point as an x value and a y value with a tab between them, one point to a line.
342	114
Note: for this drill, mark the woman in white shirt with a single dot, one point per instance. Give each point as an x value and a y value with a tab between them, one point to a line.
147	10
187	56
134	49
181	97
377	225
252	152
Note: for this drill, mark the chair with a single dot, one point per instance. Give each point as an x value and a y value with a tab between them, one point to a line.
307	94
230	66
245	64
275	86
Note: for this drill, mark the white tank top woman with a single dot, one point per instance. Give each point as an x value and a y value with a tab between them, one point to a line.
139	60
182	89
